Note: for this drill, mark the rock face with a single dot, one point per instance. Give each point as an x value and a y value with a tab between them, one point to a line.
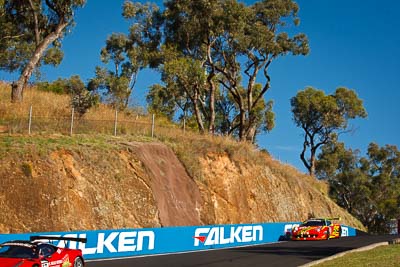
260	193
176	195
141	185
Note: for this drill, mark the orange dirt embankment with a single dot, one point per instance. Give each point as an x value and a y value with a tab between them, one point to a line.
140	185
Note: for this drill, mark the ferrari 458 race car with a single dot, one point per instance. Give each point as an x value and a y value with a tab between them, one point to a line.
317	229
38	252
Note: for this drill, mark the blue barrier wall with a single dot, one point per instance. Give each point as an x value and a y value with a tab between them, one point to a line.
149	241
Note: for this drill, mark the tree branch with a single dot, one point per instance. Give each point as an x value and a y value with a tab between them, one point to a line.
265	88
52	7
35	18
12	36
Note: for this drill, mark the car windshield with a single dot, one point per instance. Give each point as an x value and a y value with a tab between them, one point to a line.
313	223
13	251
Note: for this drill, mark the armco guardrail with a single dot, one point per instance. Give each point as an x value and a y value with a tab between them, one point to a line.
103	244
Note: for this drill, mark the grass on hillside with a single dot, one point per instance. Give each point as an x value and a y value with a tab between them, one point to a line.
52	115
388	256
43	144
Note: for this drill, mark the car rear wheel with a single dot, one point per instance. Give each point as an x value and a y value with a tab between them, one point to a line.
78	262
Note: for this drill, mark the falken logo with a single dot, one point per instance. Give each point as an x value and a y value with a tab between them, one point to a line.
227	235
113	242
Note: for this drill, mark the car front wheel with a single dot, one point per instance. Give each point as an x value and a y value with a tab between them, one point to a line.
78	262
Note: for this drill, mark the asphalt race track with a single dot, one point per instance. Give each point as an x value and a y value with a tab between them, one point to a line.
287	253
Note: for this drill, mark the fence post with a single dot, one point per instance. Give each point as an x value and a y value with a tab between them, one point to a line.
184	122
152	126
30	120
115	123
72	121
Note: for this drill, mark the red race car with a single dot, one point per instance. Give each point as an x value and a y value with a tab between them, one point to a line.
39	253
317	229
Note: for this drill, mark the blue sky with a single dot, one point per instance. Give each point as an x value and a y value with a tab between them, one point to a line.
353	44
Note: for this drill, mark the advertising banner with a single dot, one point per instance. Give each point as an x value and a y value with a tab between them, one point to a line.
104	244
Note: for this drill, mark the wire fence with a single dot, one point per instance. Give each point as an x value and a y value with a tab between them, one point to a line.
35	123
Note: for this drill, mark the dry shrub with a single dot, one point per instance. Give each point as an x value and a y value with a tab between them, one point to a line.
51	113
44	104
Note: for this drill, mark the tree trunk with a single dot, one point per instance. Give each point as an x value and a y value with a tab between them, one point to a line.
251	133
242	122
210	76
211	128
303	157
197	113
19	86
312	161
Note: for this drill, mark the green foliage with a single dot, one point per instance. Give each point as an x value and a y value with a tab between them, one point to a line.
57	87
18	35
53	56
185	81
116	89
30	35
269	117
128	54
368	187
160	101
322	116
231	39
81	97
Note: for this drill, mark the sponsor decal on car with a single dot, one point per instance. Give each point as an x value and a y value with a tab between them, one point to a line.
227	235
345	231
58	263
288	227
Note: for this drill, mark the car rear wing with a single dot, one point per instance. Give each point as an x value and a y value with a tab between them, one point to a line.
334	219
52	238
328	219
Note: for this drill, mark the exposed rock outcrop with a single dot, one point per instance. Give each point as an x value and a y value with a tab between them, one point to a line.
140	185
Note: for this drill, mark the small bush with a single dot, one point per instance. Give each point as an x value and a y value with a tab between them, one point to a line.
26	169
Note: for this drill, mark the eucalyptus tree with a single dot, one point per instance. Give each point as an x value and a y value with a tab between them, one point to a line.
184	80
348	185
129	53
193	27
367	187
186	77
251	41
228	114
162	101
322	116
235	43
30	35
382	168
82	99
116	84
